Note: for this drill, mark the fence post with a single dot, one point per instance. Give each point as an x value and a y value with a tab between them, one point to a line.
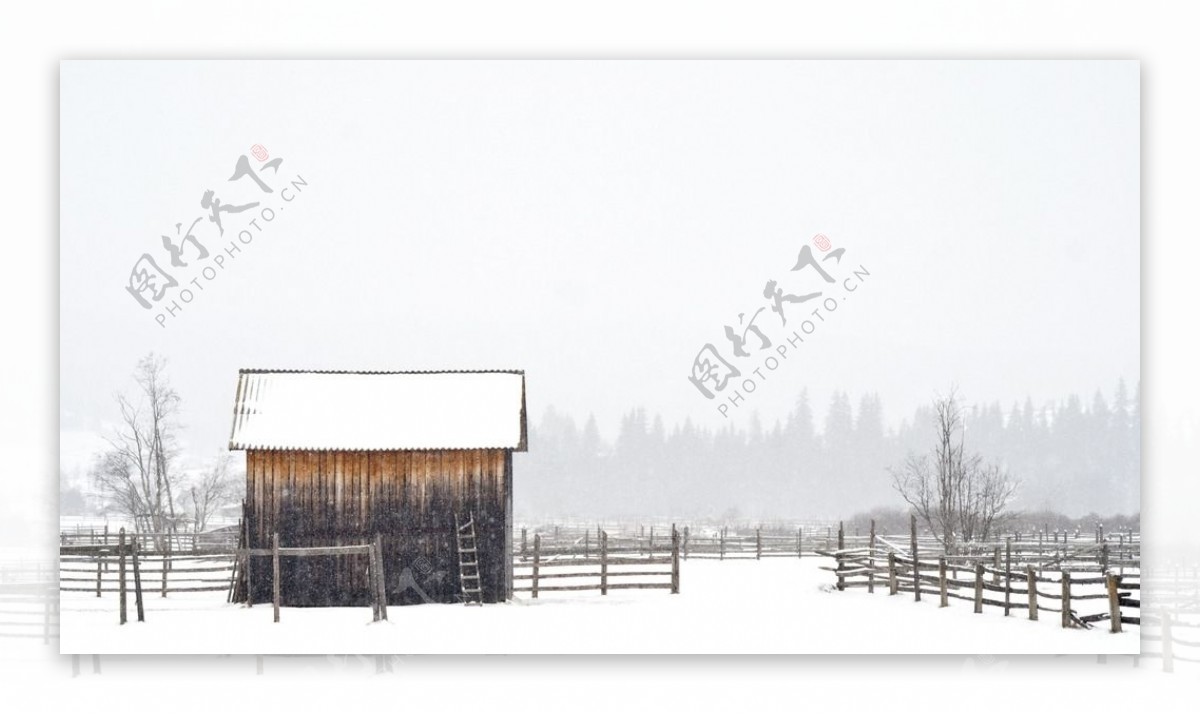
1007	576
650	548
841	580
603	562
1066	599
758	543
381	577
674	560
99	572
800	542
1031	582
1104	558
275	573
942	581
586	546
871	560
1121	552
373	582
978	588
996	566
137	580
121	571
722	543
1168	652
537	557
524	548
1114	601
892	584
166	562
916	562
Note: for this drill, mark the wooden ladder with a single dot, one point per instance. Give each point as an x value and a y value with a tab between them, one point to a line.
468	561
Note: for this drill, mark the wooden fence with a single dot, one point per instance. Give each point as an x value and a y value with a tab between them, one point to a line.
243	579
1049	550
755	543
122	552
601	568
222	540
96	570
1009	579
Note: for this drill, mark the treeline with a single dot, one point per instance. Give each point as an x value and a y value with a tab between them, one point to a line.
895	520
1070	456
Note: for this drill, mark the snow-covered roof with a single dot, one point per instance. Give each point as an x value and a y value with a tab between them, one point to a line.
375	411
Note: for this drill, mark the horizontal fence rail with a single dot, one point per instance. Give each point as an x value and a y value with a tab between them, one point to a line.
1073	552
165	574
1066	581
222	540
603	568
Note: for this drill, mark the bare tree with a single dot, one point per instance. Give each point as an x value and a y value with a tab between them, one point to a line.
212	489
957	495
137	472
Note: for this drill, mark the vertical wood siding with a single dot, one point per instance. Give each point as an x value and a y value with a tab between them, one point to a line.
410	498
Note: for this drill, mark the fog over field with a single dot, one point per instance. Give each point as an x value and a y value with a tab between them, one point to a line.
599	225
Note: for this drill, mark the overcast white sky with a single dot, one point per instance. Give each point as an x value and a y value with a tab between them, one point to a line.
596	223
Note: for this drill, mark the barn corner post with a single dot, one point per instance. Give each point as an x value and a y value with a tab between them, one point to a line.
507	559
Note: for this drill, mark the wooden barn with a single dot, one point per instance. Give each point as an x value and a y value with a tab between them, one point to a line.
338	458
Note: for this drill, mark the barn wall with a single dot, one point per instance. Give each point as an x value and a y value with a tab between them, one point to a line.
410	498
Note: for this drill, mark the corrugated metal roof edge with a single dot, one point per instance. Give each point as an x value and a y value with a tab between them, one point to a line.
377	371
246	447
521	447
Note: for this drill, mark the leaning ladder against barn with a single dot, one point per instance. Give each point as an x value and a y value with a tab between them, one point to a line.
468	561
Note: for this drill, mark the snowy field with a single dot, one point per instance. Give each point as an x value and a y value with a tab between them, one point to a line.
771	606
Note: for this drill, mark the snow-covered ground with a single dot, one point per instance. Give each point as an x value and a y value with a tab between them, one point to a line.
768	606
